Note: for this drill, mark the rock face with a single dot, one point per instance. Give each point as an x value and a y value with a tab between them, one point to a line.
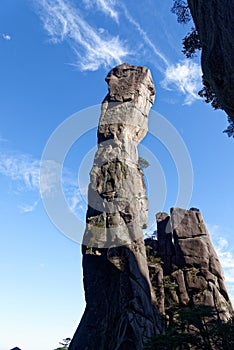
119	310
214	20
184	267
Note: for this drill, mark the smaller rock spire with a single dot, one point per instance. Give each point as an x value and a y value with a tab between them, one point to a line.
189	272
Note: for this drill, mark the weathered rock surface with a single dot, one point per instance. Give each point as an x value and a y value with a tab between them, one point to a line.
119	310
184	267
214	20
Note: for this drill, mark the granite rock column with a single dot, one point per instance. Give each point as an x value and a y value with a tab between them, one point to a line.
120	313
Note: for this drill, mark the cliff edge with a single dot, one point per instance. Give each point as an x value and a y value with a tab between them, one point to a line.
214	20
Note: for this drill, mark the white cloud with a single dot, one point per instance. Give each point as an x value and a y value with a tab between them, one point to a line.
77	203
28	208
5	36
50	177
185	76
95	47
21	168
224	252
227	260
64	22
106	6
24	172
146	39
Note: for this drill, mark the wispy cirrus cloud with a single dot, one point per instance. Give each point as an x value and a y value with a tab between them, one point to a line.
96	47
186	77
106	6
28	208
63	22
159	54
20	168
24	173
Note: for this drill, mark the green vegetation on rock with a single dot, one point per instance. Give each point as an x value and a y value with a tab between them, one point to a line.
192	44
197	328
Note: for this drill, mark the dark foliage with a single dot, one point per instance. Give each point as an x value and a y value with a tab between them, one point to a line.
230	129
191	43
143	162
181	10
209	96
199	327
65	344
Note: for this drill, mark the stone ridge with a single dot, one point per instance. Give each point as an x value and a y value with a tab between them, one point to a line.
214	20
184	267
119	313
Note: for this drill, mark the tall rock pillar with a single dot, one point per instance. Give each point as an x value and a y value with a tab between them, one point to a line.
119	310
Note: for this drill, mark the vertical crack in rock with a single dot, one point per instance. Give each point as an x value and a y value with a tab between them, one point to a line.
184	267
119	310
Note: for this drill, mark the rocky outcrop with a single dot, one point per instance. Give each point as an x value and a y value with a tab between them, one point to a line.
214	20
119	313
184	267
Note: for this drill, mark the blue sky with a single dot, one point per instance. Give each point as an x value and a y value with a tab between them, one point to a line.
55	55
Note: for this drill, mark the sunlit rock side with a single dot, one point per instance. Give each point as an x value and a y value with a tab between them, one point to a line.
214	20
184	267
119	310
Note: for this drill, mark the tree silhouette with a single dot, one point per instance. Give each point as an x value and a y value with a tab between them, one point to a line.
230	129
209	96
143	162
191	44
65	344
181	10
